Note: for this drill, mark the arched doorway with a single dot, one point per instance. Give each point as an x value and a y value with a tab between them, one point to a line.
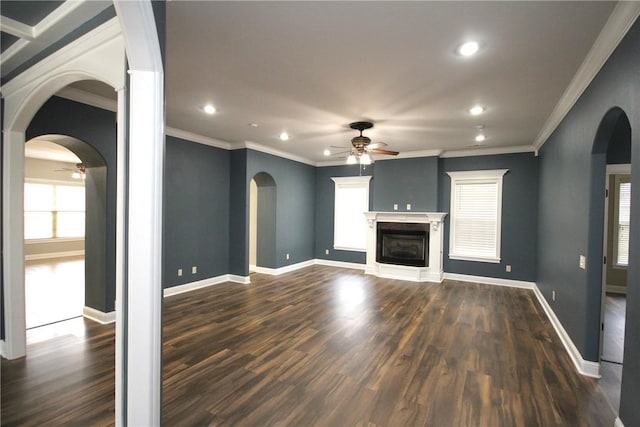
91	216
609	238
262	222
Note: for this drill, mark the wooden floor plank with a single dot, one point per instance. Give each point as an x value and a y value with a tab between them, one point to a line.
325	347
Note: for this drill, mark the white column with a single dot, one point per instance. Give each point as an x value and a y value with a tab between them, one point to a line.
13	244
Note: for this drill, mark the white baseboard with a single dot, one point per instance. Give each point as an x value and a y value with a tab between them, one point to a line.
285	269
618	422
99	316
243	280
339	264
3	353
192	286
48	255
585	367
616	289
490	280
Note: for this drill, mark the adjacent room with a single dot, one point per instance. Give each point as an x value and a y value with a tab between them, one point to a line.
320	213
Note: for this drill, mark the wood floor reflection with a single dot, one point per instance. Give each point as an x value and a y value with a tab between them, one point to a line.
331	347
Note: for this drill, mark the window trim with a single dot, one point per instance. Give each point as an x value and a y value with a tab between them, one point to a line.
493	176
53	183
350	182
617	181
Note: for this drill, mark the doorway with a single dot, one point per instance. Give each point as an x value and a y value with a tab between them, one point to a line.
262	222
611	158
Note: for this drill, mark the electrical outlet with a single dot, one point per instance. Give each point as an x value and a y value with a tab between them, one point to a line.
508	268
287	256
179	272
583	262
194	269
553	295
408	206
326	251
395	206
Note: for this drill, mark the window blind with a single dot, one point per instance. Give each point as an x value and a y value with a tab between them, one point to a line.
351	201
624	214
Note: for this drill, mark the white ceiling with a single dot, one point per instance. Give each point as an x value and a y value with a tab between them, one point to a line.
311	68
48	150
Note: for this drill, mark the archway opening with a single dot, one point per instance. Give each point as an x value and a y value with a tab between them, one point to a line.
65	229
609	217
262	222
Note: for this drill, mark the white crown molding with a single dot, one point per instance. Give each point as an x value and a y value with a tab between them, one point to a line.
99	316
16	28
619	22
274	152
57	16
621	169
100	36
193	137
489	151
87	98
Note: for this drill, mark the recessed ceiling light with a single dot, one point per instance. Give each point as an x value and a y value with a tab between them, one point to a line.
476	110
209	109
326	152
469	48
253	125
284	136
480	137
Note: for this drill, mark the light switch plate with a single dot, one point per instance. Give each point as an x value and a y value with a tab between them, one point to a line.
408	206
583	262
395	206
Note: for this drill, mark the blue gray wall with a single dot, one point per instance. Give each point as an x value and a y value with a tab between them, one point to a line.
324	198
402	181
569	201
196	211
96	128
519	214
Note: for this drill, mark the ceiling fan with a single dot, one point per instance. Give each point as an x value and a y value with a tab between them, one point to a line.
77	173
363	148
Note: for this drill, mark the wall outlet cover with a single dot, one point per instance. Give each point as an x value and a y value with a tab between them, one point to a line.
583	262
179	272
194	269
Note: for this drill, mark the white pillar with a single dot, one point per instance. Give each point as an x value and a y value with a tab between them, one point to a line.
15	345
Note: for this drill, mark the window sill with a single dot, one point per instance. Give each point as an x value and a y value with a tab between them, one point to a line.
54	240
491	260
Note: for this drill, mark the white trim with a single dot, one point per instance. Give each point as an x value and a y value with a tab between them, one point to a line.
99	316
285	269
2	349
492	176
188	287
339	264
618	422
193	137
87	98
54	240
616	27
621	169
48	255
489	151
345	248
243	280
490	280
360	183
16	28
585	367
274	152
616	289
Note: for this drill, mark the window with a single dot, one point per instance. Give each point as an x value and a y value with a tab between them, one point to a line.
53	211
622	216
476	215
351	201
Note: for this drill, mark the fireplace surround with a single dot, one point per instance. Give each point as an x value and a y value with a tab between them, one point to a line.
405	245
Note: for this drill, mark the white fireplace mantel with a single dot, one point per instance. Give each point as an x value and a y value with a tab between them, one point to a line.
432	273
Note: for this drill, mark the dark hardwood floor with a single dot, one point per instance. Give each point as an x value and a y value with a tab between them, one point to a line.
613	347
326	347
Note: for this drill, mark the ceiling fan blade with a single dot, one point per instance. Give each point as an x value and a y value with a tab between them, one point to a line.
338	146
341	152
380	151
377	145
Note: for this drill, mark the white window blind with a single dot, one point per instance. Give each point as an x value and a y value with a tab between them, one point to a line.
351	201
53	211
624	215
476	208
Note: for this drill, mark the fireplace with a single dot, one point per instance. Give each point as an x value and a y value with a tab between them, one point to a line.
405	245
402	244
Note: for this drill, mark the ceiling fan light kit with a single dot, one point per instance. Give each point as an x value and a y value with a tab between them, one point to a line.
362	147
